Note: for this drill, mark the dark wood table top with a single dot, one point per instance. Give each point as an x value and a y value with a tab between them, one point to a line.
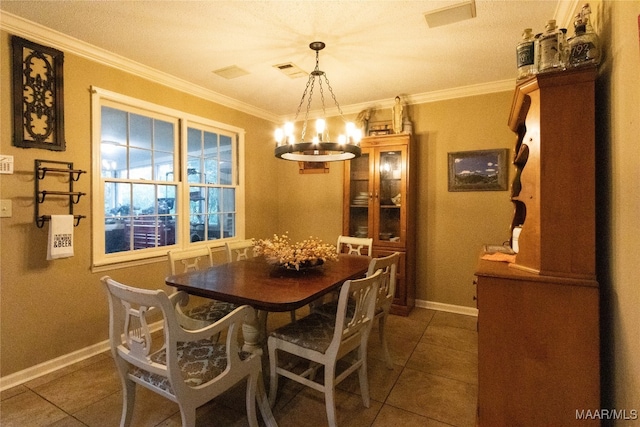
265	287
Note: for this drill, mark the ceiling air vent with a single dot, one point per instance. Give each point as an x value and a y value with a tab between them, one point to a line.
231	72
450	14
291	70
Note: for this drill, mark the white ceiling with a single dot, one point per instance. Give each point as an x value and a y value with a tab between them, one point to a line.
374	51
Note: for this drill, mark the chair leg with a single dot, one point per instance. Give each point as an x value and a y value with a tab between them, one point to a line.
188	415
293	315
273	375
362	376
383	341
263	403
128	400
329	394
251	400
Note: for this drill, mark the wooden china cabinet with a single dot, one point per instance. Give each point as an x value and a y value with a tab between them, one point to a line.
379	202
538	317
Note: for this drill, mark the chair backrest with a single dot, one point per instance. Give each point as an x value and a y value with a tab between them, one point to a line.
387	288
181	261
129	334
130	311
354	245
239	250
351	327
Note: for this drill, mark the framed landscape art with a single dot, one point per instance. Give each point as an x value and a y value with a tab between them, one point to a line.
481	170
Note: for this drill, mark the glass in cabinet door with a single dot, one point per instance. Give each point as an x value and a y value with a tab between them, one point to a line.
390	196
359	196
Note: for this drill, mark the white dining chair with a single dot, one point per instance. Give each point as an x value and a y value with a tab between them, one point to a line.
239	250
386	293
185	367
384	299
201	315
324	340
243	249
354	245
351	246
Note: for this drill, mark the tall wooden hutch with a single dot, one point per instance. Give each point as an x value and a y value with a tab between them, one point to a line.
379	202
538	317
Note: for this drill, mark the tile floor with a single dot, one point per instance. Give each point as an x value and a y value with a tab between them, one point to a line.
433	383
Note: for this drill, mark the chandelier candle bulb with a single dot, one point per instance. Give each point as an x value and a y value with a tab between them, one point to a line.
351	128
320	127
279	135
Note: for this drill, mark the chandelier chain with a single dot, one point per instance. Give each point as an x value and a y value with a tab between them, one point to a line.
324	113
306	115
333	96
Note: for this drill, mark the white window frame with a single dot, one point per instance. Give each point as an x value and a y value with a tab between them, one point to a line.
103	261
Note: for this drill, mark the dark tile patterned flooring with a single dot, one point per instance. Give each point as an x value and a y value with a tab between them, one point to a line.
434	382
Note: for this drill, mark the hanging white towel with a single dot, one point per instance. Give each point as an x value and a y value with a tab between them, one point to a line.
60	237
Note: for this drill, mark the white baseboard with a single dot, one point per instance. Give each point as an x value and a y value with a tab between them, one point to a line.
87	352
52	365
450	308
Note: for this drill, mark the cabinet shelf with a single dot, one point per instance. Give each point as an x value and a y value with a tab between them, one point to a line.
522	156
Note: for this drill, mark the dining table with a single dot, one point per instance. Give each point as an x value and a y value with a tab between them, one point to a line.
267	287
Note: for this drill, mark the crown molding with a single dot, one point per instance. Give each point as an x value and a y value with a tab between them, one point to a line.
44	35
420	98
565	12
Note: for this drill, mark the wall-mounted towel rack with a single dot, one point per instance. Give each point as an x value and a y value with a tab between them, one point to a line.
40	195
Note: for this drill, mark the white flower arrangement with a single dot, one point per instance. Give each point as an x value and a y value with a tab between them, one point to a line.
307	253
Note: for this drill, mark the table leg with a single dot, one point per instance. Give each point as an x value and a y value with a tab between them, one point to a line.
254	332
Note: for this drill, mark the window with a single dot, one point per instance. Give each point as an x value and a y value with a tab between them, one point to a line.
162	179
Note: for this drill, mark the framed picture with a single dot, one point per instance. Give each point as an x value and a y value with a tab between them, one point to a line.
313	167
380	128
38	99
482	170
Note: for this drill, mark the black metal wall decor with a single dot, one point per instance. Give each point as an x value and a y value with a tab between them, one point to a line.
38	100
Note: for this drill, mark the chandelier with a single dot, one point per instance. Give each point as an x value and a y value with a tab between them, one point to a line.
319	147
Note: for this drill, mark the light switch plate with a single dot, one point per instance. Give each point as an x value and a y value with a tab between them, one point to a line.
6	164
5	208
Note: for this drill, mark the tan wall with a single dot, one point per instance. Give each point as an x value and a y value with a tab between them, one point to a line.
619	204
51	308
311	204
453	226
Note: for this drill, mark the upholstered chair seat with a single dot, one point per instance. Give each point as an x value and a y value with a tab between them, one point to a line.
199	361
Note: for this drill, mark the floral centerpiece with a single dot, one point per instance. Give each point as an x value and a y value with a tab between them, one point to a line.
282	252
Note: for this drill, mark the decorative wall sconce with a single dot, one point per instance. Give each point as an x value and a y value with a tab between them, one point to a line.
38	97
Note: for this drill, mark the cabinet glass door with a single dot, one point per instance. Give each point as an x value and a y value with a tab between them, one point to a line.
359	196
389	197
